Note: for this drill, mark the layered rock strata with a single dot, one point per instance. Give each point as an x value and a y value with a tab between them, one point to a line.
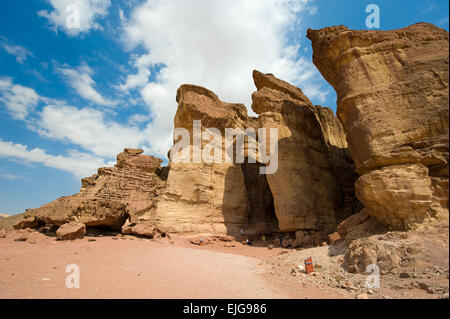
392	98
108	198
313	186
212	198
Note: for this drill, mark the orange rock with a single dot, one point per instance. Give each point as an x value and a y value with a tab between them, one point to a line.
392	96
334	237
70	231
313	186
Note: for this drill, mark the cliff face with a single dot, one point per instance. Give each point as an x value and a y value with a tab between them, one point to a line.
392	89
313	186
210	197
312	189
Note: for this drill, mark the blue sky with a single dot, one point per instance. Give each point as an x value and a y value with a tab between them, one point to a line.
72	97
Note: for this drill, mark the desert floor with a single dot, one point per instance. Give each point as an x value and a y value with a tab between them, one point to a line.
131	267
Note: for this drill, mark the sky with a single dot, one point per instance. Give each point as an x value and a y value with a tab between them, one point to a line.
80	80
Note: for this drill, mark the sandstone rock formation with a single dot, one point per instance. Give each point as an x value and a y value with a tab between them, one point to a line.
108	198
313	186
387	252
144	229
70	231
392	96
135	181
212	198
26	220
311	192
92	212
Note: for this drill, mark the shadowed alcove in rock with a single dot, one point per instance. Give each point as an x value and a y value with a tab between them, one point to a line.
260	215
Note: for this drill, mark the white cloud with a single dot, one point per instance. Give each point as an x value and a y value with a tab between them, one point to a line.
138	119
11	176
313	10
18	99
89	129
215	44
21	53
79	164
81	80
86	11
140	79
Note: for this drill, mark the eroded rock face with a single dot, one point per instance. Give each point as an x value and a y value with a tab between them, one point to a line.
135	181
108	198
313	186
392	89
205	197
91	212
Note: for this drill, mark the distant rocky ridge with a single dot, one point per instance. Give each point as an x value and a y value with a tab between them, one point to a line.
388	147
4	215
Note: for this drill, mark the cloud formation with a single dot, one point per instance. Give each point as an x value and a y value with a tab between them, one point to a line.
21	53
19	100
81	80
101	139
75	16
79	164
89	129
215	44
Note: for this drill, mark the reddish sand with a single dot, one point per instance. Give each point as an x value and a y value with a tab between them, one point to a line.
112	267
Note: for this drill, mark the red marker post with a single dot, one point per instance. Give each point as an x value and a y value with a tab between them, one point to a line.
309	268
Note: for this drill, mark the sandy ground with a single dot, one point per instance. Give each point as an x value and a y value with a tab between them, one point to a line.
131	267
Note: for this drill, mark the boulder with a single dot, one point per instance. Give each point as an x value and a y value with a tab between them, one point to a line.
392	99
144	229
302	238
285	243
71	231
359	225
350	223
334	237
91	212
